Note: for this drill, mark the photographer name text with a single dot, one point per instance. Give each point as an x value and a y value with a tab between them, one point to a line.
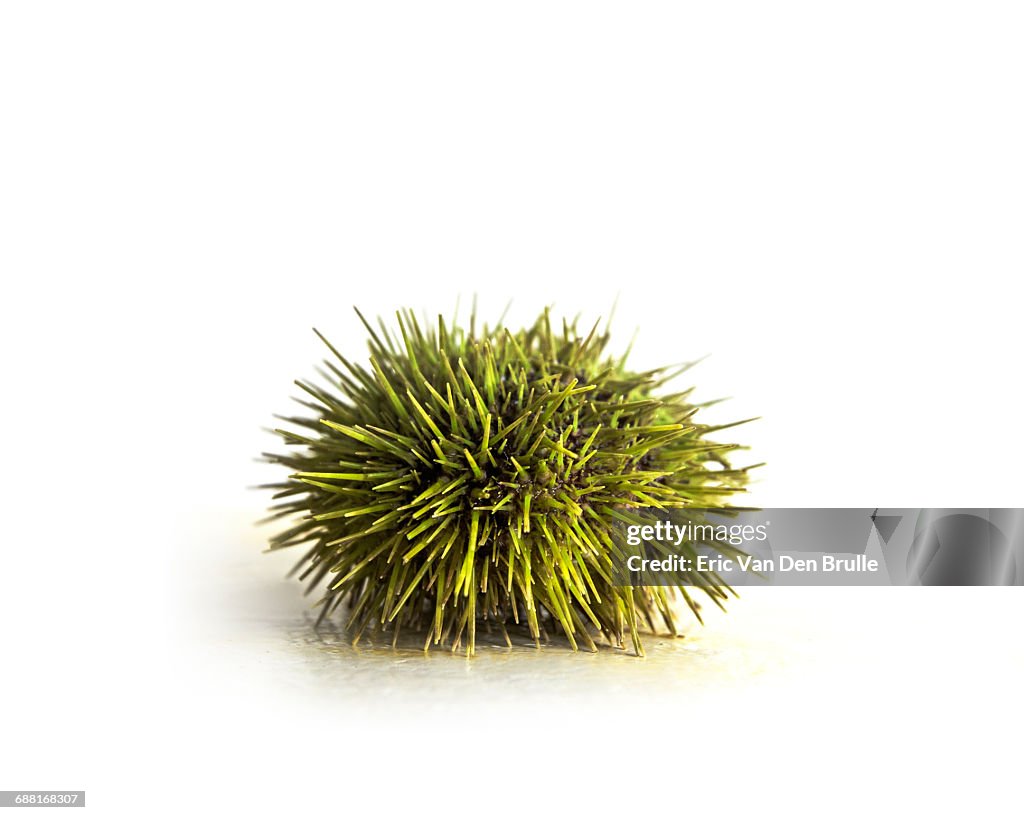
750	563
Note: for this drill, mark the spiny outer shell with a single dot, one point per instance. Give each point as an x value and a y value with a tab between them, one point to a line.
473	475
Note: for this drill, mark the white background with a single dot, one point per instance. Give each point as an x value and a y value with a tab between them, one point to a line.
826	197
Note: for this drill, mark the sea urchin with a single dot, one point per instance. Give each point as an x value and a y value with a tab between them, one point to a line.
481	475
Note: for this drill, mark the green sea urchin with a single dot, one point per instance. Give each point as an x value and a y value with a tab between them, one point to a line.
480	474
